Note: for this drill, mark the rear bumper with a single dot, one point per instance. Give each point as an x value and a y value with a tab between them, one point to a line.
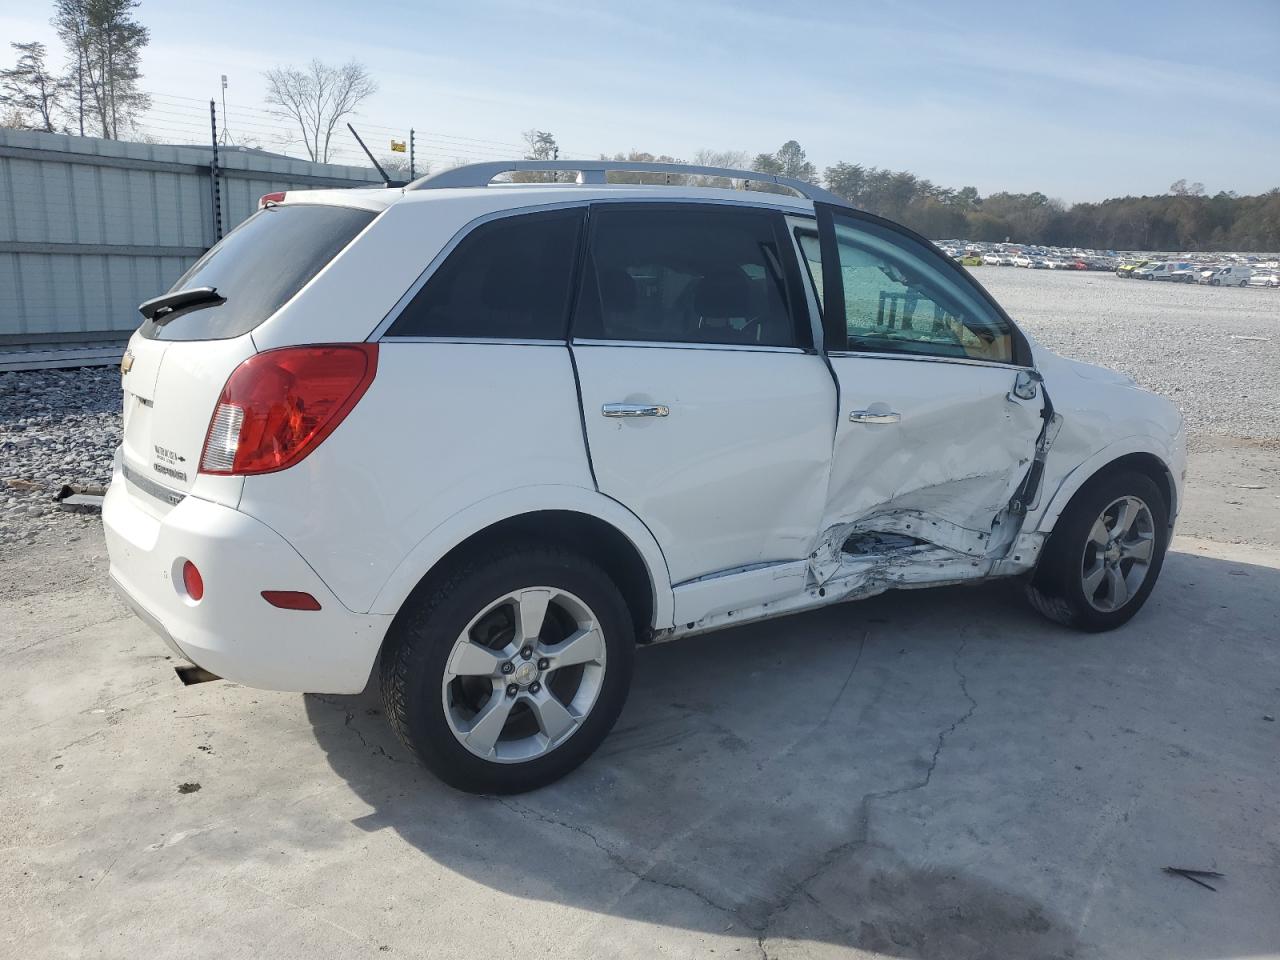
233	632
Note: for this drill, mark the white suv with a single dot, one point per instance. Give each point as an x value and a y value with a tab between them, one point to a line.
495	436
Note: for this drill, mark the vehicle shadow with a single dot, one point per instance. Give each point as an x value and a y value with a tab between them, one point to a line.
923	774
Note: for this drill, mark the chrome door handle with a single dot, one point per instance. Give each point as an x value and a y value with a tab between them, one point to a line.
635	410
873	416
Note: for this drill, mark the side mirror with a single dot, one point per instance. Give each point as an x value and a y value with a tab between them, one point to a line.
1026	385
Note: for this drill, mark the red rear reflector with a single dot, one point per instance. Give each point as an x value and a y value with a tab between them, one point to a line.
291	599
192	581
279	405
270	198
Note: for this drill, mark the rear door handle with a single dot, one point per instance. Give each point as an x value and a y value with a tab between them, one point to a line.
873	416
635	410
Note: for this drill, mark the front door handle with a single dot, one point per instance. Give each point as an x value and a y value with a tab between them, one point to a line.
873	416
635	410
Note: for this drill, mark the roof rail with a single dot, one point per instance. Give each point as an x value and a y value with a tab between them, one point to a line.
595	171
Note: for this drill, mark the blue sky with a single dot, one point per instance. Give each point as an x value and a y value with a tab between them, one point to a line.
1082	100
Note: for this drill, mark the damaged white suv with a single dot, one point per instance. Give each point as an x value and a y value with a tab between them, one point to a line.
492	436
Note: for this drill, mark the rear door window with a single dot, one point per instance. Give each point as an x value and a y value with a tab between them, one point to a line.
679	273
508	279
259	266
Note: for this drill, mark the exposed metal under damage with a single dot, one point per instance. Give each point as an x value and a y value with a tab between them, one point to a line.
898	547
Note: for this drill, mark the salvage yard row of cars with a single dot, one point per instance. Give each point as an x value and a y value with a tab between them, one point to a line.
1233	270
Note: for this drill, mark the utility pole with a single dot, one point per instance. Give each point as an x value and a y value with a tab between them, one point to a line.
412	174
214	188
225	134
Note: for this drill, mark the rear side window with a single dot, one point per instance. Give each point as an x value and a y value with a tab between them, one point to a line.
688	274
258	266
508	279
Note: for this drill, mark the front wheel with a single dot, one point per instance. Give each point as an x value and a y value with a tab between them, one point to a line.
509	671
1104	555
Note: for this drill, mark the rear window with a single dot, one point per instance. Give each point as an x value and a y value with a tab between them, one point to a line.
258	266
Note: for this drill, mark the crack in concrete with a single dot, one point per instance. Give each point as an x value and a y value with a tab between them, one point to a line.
862	645
759	926
616	858
373	748
863	833
762	924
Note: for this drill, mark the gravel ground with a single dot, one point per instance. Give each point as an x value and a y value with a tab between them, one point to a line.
1214	351
56	427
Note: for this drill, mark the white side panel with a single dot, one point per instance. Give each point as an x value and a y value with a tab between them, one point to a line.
443	426
736	473
515	502
749	589
958	452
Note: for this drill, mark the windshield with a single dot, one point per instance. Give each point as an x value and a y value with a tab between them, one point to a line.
258	267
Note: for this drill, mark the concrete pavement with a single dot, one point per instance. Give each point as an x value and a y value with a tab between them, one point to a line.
928	774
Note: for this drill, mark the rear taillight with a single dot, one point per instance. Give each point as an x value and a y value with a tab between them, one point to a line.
279	405
267	199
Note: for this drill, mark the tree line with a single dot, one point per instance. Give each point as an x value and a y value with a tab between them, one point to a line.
1182	219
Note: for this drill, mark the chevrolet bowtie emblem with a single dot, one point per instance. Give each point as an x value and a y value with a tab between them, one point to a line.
126	362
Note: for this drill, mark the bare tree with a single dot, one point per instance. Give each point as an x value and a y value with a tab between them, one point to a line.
541	146
735	159
317	98
29	89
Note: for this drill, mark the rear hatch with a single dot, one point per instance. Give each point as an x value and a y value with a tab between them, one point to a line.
180	358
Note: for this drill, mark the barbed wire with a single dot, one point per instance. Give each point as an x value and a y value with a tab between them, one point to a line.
183	119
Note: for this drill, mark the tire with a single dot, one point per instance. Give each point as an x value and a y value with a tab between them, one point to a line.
1059	587
431	700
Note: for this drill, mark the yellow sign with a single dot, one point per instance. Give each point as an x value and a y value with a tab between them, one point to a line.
397	146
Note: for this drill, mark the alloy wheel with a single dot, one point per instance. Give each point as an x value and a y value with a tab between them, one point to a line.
524	674
1118	554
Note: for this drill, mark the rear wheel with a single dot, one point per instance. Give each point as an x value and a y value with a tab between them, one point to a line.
1104	555
509	672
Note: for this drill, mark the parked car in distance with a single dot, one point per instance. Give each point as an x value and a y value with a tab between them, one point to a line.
1023	260
992	259
1127	268
1232	275
433	428
1265	278
1175	271
971	260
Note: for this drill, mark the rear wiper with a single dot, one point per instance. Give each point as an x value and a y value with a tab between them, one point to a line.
160	310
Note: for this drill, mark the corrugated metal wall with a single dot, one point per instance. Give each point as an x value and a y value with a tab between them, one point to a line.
90	228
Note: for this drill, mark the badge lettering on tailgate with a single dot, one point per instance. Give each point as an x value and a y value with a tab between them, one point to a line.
166	463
